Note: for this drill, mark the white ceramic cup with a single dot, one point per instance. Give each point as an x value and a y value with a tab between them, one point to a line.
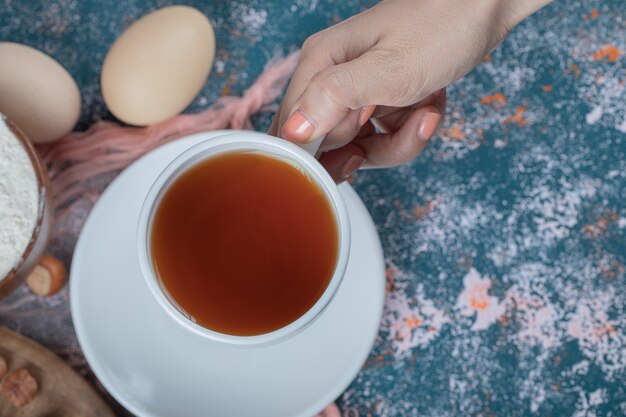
244	142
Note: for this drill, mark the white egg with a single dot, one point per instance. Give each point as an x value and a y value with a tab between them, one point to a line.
37	93
158	65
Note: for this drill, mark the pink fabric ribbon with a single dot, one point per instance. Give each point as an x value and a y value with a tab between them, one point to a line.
107	147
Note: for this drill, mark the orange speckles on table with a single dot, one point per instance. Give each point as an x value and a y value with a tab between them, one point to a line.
555	388
609	52
487	58
385	358
517	117
593	330
547	88
408	217
479	300
226	91
574	69
413	322
418	213
597	229
604	329
497	100
455	132
591	16
422	211
475	300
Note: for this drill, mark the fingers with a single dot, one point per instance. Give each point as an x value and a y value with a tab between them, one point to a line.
343	162
333	92
343	133
399	147
340	43
340	163
273	130
393	121
410	131
347	129
390	119
384	149
406	143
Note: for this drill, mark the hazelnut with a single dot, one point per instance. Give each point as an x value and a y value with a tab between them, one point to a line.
48	277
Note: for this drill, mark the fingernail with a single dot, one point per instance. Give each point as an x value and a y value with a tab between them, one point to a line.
365	114
352	164
428	125
297	128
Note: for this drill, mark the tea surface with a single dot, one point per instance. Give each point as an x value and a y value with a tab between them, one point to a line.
244	243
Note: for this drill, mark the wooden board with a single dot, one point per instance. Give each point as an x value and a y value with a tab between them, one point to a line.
62	392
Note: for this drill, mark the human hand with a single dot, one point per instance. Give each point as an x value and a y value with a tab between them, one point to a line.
388	67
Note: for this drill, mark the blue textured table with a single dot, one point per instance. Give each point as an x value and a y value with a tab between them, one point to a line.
505	241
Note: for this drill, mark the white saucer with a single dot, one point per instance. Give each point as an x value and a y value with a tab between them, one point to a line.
154	367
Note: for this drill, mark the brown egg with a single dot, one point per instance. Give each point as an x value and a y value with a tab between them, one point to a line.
37	93
158	65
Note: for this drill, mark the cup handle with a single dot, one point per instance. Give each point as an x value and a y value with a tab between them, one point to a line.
312	147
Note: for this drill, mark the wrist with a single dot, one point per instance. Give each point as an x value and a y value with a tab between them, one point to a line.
513	12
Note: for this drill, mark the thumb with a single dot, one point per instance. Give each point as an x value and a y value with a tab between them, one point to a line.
333	92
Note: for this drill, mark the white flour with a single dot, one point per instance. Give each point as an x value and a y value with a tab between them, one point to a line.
18	199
